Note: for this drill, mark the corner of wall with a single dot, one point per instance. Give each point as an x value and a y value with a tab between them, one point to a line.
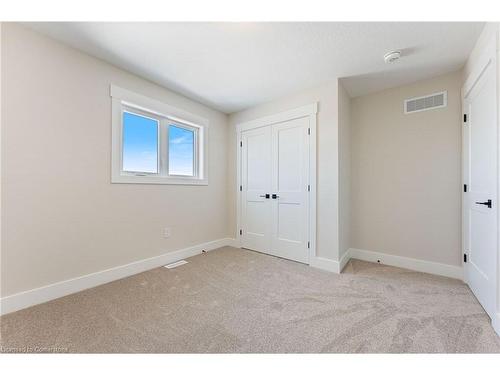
344	165
230	178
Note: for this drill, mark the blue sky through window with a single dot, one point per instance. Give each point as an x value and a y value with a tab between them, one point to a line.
180	151
140	143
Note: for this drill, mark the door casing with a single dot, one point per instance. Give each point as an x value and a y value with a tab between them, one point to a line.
309	111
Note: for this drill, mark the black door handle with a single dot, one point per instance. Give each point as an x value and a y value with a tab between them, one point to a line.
487	203
265	196
275	196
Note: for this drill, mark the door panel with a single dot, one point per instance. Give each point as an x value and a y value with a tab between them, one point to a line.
289	222
480	221
256	183
289	183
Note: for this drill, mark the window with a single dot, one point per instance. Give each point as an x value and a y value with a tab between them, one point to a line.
155	143
140	143
181	151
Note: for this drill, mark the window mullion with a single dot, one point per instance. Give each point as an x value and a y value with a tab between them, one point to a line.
200	153
196	152
163	148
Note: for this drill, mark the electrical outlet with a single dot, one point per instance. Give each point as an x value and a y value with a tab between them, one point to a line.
167	232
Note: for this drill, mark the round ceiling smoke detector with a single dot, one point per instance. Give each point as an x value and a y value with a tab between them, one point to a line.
392	56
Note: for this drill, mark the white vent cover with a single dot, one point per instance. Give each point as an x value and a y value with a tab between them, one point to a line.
425	103
175	264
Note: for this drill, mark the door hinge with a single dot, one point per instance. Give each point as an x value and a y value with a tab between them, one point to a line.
241	188
241	232
308	187
308	131
465	117
465	258
241	143
465	188
308	245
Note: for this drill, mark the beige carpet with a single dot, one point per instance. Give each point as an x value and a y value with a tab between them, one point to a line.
232	300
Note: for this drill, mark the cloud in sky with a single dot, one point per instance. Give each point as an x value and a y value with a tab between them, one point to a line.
180	151
140	144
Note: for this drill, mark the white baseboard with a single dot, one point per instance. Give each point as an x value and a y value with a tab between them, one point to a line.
495	322
325	264
46	293
344	259
233	242
409	263
330	264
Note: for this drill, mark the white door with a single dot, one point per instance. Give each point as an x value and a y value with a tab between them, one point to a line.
480	192
290	164
274	189
256	188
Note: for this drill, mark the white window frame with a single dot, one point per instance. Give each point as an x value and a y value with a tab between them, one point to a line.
196	148
128	101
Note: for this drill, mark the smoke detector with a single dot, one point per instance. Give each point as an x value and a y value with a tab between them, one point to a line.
392	56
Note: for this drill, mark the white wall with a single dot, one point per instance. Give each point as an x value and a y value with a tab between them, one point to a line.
327	159
344	122
491	30
406	173
61	216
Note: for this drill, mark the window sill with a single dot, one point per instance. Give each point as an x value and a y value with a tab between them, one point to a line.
157	180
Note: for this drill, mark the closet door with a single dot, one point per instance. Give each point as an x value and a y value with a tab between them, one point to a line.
274	189
255	189
290	196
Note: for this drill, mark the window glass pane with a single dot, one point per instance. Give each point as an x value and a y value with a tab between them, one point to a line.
180	151
140	143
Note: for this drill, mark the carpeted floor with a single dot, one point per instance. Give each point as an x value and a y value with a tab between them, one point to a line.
232	300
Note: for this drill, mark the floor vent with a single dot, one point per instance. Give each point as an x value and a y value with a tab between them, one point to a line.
425	103
175	264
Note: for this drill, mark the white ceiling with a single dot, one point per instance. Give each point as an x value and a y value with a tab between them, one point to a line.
232	66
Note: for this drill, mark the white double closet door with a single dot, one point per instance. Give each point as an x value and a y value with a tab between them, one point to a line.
275	189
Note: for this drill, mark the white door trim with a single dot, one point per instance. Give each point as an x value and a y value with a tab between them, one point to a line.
310	111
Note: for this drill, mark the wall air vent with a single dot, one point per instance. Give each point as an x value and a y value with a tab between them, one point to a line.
175	264
425	103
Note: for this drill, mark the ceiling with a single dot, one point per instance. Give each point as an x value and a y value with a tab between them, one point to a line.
233	66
